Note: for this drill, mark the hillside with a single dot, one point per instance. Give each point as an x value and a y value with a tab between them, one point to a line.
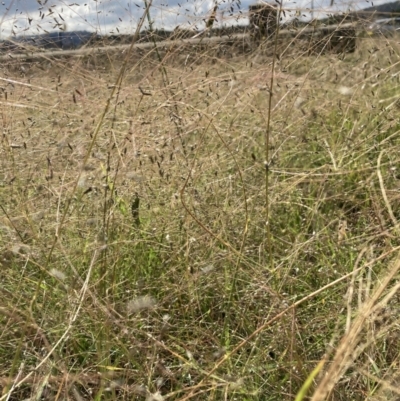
386	10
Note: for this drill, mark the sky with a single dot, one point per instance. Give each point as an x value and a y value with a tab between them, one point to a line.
27	17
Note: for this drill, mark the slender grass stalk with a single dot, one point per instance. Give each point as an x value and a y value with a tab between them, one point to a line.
267	138
309	381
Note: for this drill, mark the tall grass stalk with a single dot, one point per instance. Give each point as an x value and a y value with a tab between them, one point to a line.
267	161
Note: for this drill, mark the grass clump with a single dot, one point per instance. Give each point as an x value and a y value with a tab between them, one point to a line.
136	259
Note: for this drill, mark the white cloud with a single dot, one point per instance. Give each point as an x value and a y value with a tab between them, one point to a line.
111	16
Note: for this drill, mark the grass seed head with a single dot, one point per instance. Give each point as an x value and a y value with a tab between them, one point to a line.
141	303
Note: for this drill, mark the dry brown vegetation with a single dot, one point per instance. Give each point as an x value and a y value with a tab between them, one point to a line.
211	226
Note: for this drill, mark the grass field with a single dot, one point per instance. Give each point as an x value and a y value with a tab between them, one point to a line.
220	225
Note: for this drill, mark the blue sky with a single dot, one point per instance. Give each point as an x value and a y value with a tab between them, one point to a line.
113	16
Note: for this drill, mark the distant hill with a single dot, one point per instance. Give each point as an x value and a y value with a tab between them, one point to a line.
386	10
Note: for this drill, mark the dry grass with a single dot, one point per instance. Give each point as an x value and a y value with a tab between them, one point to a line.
161	285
